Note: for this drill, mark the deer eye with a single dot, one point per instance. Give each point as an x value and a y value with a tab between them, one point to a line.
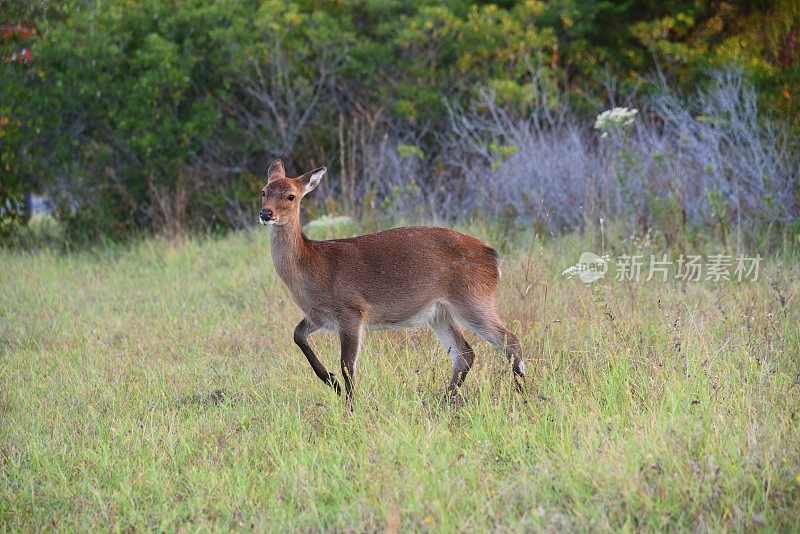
263	193
290	197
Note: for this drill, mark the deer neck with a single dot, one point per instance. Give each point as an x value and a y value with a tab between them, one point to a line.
289	248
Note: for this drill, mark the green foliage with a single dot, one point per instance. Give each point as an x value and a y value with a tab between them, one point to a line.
407	151
136	89
140	115
18	121
501	153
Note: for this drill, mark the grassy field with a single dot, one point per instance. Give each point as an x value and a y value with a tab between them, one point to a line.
157	387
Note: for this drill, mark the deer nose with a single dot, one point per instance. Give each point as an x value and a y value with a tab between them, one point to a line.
266	214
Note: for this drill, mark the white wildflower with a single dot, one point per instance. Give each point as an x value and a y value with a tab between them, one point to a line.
575	270
615	119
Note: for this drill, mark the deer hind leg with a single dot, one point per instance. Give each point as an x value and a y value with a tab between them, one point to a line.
482	318
301	332
350	338
457	347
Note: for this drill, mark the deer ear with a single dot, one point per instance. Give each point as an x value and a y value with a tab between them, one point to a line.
311	179
275	171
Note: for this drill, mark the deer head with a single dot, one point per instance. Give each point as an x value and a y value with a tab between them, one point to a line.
280	198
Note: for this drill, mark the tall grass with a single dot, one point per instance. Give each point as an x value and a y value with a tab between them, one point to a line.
157	387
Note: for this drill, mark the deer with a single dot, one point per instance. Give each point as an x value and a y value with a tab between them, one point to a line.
403	277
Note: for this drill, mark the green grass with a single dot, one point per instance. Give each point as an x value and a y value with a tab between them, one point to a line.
157	387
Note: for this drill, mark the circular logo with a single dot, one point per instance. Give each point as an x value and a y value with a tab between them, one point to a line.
591	267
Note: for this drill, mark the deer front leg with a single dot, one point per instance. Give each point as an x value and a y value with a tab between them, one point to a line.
301	332
350	338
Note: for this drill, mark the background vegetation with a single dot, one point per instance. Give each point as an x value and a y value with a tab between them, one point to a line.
162	115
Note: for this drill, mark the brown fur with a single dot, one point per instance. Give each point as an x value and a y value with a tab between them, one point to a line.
399	277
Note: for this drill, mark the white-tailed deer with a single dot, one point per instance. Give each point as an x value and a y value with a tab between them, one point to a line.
401	277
